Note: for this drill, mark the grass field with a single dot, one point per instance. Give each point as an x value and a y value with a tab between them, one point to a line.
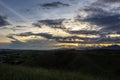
60	65
10	72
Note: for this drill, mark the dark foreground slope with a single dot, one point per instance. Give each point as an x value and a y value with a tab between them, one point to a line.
102	63
10	72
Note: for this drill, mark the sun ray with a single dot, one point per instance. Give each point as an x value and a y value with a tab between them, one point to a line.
13	11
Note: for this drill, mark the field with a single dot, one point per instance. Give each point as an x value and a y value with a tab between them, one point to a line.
8	72
60	65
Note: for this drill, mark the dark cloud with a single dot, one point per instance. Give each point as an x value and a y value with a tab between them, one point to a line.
19	26
108	40
94	10
110	1
3	21
24	34
51	22
54	5
102	15
84	32
56	23
12	37
107	21
37	24
45	35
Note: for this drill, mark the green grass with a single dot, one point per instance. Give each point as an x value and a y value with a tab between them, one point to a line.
10	72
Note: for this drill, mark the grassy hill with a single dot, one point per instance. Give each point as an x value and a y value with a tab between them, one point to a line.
8	72
74	64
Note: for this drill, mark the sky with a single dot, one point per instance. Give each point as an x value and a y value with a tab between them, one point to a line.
54	24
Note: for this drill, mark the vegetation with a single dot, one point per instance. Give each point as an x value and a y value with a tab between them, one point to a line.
8	72
60	65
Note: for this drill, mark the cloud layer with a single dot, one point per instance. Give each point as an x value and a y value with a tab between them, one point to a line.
59	22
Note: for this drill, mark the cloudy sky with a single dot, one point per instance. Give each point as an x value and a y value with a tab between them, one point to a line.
52	24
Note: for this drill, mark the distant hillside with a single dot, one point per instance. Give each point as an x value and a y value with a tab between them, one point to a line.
89	61
114	47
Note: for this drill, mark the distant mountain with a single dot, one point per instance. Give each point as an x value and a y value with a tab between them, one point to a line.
113	47
5	49
65	49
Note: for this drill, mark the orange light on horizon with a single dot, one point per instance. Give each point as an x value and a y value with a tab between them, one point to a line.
4	41
78	45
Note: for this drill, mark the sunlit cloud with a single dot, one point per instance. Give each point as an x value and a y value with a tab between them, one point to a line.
67	45
113	35
82	46
73	25
27	38
55	32
88	36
